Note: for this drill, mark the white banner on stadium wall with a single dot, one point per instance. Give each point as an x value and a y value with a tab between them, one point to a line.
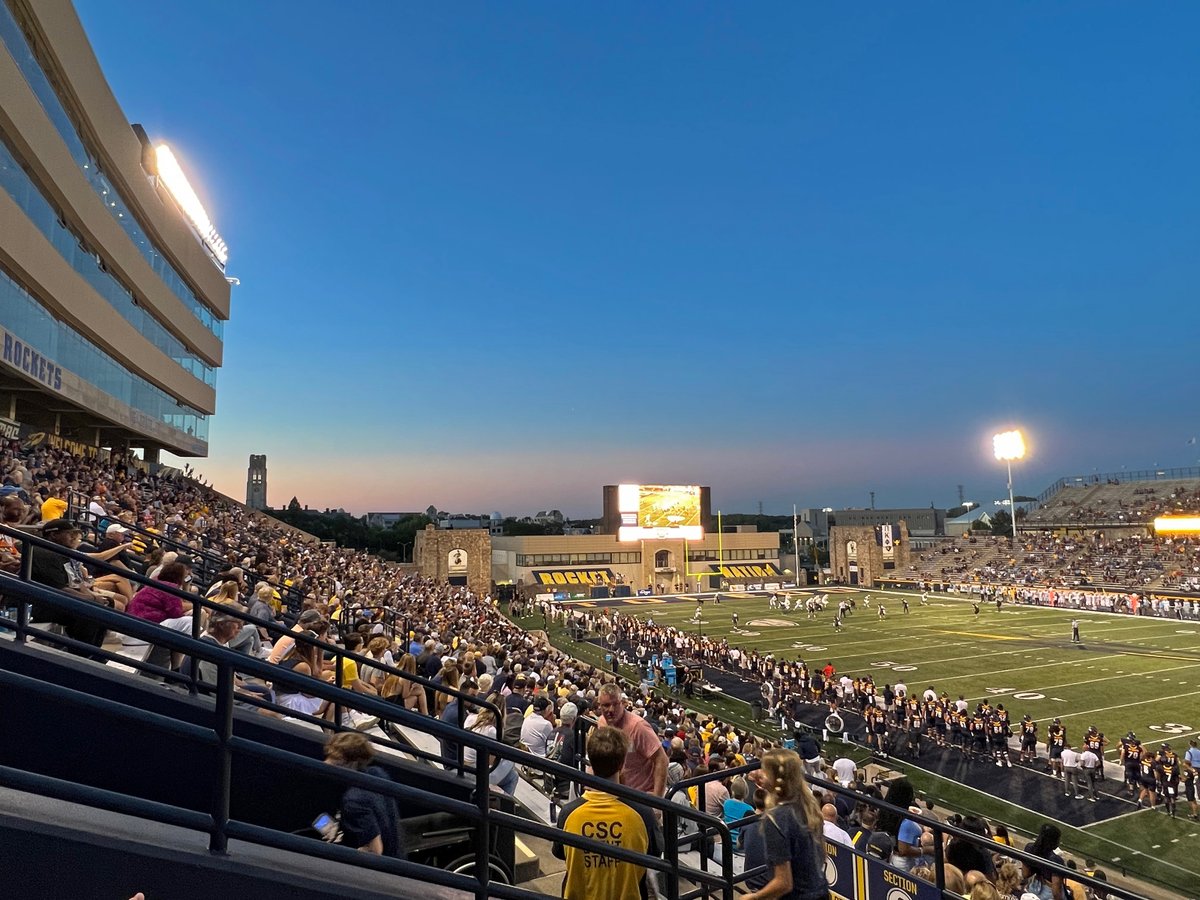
887	541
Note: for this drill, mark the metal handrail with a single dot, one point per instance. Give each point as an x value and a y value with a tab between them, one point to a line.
942	828
229	661
156	636
216	564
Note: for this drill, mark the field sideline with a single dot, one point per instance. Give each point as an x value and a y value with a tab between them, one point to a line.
1138	674
1128	674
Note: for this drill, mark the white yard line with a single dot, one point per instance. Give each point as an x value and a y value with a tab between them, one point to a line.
1051	687
1088	712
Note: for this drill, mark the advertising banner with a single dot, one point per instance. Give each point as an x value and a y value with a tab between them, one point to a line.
573	576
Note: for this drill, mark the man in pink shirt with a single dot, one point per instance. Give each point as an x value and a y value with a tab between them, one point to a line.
646	763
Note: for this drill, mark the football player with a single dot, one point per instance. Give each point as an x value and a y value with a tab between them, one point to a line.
1095	741
979	736
1056	739
1148	778
1029	739
1131	758
1188	776
999	736
1168	778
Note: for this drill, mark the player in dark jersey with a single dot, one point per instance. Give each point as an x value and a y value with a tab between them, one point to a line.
1188	776
975	606
999	738
1131	758
936	713
1056	739
1168	778
869	720
1029	737
914	727
979	736
958	732
1095	741
1148	778
904	603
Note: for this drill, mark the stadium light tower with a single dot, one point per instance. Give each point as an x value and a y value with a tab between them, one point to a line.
1010	445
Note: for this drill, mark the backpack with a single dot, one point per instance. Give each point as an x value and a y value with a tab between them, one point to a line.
554	748
513	720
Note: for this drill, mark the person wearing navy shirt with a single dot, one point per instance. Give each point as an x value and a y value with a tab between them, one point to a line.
369	821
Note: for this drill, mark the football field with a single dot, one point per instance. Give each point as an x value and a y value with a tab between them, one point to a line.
1126	674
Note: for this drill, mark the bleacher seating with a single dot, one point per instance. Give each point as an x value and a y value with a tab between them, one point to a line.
1115	503
453	636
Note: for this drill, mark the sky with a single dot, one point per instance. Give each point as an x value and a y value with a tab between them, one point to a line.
495	256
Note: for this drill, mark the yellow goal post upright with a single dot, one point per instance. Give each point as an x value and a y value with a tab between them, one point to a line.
688	573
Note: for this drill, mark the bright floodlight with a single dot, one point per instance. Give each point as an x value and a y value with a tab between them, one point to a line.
171	174
1009	445
1177	525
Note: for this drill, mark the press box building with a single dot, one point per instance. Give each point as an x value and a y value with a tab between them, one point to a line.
113	294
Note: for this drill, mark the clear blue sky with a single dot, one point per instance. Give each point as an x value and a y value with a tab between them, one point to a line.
494	256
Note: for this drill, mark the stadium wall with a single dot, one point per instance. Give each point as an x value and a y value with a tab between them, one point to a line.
114	329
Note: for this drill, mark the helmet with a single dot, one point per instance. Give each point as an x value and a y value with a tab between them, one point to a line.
1092	728
1027	717
1058	721
1166	746
1131	735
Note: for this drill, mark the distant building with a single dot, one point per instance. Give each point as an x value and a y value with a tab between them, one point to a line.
960	525
256	482
922	521
460	522
388	519
817	520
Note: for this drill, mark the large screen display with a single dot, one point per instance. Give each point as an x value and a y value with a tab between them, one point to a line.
662	511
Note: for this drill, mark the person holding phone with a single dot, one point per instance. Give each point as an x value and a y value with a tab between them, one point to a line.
370	822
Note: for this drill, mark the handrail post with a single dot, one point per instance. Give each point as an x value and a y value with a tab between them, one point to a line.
337	681
483	840
218	841
193	667
727	869
939	860
671	839
461	748
22	606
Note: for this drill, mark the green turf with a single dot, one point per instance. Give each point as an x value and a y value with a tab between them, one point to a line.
1128	674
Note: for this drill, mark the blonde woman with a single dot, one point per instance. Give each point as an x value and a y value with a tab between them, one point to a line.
449	677
793	832
411	694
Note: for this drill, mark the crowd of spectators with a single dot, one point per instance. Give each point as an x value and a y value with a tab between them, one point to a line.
1113	501
1124	560
450	636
